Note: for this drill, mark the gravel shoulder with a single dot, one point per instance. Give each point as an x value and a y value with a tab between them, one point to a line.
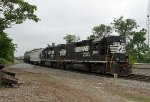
141	71
39	84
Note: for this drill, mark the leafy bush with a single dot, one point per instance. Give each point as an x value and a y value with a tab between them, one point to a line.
4	61
7	48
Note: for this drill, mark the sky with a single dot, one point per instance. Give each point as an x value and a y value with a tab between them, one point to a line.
78	17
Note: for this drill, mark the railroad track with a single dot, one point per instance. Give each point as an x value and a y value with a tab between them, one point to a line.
137	77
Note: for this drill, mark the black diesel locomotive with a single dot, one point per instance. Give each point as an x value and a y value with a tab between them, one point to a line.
102	55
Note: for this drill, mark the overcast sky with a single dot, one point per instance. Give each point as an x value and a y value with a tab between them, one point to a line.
61	17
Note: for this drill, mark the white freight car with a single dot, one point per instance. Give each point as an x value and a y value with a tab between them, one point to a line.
35	56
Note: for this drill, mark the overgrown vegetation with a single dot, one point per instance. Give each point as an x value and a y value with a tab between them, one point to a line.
137	98
12	12
4	85
7	49
4	61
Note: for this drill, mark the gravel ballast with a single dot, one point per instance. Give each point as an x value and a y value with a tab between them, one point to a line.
40	84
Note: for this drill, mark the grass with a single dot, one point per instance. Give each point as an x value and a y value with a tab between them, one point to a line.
4	61
137	98
1	84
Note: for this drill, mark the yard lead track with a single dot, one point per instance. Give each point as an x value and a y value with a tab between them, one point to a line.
138	77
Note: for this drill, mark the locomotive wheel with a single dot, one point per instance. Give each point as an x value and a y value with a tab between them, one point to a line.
55	65
58	65
67	66
51	64
89	68
102	69
62	65
93	68
99	68
43	64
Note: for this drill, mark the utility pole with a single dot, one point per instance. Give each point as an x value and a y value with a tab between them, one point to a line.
148	22
1	10
148	28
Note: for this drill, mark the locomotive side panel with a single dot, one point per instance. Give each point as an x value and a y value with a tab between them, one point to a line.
47	56
82	51
98	51
70	55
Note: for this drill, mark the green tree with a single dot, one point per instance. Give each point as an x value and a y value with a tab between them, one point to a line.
7	48
124	27
101	30
71	38
135	41
13	12
146	57
91	37
137	47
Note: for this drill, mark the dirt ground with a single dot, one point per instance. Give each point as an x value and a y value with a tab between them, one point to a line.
39	84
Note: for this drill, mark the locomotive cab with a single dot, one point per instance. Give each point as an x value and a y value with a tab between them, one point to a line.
116	53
